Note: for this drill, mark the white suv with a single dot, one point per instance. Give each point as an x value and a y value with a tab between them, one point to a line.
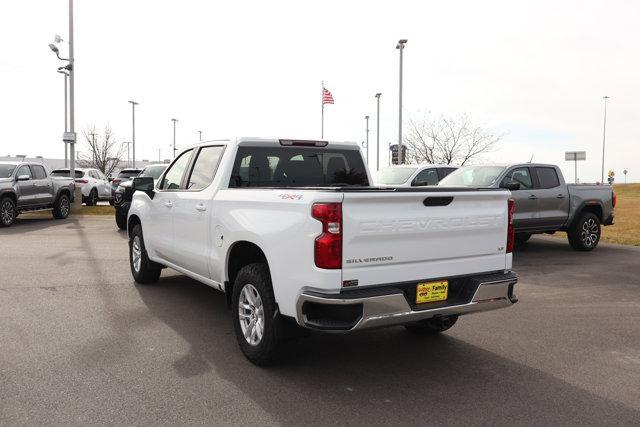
92	182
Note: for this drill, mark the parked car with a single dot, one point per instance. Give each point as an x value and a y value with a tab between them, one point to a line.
123	194
412	175
93	183
544	202
123	176
28	187
295	236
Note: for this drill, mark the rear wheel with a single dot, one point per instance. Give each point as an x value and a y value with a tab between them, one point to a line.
584	235
255	317
142	268
92	200
432	326
121	220
8	211
61	207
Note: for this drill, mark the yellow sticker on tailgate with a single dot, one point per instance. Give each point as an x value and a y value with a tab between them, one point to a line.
432	291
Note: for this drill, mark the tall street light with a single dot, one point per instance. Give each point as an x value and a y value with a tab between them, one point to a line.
400	47
200	132
133	129
61	70
128	156
174	136
366	118
378	131
604	135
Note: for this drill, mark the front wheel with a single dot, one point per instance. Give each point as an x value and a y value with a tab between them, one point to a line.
7	211
432	326
61	207
142	268
584	235
92	200
255	318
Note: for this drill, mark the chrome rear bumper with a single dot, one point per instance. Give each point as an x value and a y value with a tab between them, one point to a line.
389	306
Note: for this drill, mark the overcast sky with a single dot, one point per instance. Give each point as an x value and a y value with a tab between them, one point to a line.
535	70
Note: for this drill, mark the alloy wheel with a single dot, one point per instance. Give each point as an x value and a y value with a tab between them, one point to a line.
589	232
251	314
7	212
136	252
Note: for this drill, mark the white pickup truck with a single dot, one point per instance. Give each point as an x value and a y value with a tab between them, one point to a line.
295	236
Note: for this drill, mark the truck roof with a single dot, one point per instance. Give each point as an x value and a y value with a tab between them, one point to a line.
259	141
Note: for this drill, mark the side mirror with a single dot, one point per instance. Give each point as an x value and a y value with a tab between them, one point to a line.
110	179
143	183
511	185
24	177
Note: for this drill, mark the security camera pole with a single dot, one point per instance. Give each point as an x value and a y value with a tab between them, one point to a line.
66	121
366	118
400	47
604	135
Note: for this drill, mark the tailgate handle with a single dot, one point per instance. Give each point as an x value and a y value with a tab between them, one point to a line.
437	201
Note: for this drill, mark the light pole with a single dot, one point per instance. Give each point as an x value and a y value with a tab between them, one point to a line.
604	135
200	132
366	118
174	136
128	157
158	154
400	47
61	70
69	136
133	129
378	131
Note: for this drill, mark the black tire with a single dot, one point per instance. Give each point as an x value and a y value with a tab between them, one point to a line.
522	237
121	220
146	271
432	326
584	234
62	207
92	199
264	350
111	203
8	211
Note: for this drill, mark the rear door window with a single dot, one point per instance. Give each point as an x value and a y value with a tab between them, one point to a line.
204	168
445	171
520	175
38	172
547	177
297	167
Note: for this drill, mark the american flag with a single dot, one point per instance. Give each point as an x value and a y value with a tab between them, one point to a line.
327	98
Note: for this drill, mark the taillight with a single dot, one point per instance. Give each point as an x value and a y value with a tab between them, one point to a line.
615	199
116	181
328	245
81	181
511	235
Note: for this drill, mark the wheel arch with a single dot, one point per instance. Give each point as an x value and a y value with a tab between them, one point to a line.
594	207
132	221
241	253
11	195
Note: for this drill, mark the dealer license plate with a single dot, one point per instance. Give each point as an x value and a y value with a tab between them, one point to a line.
432	291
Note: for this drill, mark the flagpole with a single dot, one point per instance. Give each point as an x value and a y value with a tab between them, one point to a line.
322	114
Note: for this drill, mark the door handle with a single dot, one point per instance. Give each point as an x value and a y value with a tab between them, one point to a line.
533	197
200	207
560	196
168	204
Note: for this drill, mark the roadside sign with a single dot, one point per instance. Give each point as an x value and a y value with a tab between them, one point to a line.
574	156
69	137
394	153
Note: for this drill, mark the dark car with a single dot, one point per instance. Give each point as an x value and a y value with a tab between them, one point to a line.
123	176
123	193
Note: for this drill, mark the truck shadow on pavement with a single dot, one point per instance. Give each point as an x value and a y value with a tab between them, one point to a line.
372	377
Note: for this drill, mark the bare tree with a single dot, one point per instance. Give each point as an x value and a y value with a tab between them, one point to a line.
103	153
447	140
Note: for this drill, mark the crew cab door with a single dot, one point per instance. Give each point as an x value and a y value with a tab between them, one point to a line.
43	188
553	198
26	189
526	214
159	230
193	211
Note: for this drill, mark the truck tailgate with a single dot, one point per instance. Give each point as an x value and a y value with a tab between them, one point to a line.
391	237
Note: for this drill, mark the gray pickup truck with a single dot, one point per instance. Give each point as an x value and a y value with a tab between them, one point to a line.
544	203
26	186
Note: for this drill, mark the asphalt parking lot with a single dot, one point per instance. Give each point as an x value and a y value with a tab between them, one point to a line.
81	344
